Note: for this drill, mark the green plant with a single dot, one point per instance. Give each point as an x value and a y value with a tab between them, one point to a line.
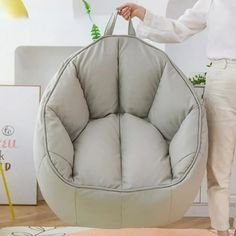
199	78
95	32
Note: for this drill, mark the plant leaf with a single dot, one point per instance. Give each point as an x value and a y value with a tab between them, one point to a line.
87	6
95	32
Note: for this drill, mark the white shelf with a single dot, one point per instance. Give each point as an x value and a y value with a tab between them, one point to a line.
36	65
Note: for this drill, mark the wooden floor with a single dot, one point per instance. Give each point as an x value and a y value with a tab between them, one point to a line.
41	215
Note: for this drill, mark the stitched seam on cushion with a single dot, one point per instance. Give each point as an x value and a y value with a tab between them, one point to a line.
76	217
57	153
61	157
77	76
194	108
182	159
171	169
77	136
55	113
41	162
120	147
72	140
155	94
77	72
119	128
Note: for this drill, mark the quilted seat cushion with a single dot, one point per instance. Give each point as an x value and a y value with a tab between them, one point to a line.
121	152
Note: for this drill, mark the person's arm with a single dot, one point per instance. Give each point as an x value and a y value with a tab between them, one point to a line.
166	30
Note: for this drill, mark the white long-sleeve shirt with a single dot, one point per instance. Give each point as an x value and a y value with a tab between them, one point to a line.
218	16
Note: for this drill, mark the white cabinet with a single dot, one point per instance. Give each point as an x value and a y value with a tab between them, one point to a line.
233	184
190	57
199	207
200	91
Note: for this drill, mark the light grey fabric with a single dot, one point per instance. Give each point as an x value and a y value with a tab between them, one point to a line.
121	137
111	24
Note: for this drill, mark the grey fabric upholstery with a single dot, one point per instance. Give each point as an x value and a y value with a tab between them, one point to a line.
121	137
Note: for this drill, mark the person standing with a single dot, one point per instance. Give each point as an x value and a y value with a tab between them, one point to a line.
219	17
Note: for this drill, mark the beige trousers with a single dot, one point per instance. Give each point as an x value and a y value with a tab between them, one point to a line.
220	103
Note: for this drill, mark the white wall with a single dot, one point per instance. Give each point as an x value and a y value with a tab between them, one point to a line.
58	23
190	55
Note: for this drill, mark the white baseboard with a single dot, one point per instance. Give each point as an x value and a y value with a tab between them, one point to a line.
201	210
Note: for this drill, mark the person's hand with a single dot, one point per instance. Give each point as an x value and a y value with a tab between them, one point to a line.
130	10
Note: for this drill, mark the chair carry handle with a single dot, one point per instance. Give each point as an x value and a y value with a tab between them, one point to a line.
111	25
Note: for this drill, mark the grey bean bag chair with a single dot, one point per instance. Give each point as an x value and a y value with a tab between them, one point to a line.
121	137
